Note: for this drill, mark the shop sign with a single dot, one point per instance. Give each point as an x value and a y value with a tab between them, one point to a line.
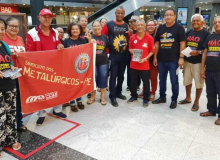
8	9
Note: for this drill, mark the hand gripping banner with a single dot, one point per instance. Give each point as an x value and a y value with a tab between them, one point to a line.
51	78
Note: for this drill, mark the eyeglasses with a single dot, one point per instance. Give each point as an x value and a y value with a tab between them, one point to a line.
96	26
168	15
151	26
13	26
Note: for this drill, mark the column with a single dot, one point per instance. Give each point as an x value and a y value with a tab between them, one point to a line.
36	7
215	12
190	4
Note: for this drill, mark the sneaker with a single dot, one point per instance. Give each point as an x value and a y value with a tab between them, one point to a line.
127	89
80	105
40	121
145	103
60	115
132	99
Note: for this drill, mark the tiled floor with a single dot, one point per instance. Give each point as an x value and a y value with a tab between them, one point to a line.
131	132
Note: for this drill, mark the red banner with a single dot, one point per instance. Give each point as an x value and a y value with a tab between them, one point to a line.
51	78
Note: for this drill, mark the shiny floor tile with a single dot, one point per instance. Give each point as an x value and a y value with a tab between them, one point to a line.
127	132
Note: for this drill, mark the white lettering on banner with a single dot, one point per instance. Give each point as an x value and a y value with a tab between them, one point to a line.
51	95
32	99
48	96
6	9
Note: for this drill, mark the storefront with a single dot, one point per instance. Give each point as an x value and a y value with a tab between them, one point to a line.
8	9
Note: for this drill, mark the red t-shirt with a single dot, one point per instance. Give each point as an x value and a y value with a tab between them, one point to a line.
16	45
147	45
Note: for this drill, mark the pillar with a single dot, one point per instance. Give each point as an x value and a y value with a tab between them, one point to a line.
36	7
215	12
190	4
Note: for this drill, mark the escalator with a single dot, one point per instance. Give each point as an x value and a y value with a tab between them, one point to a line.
109	11
104	10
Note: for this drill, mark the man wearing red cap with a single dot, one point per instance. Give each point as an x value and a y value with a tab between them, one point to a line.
41	38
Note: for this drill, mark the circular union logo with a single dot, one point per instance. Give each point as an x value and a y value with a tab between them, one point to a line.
82	63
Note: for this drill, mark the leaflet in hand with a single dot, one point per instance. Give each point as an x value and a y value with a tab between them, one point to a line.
187	51
12	74
177	71
137	55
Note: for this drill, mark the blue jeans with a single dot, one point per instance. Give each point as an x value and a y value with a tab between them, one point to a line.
213	92
163	68
101	75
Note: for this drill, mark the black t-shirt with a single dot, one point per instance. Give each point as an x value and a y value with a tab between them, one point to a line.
169	39
102	44
195	40
212	44
118	42
82	35
71	43
6	84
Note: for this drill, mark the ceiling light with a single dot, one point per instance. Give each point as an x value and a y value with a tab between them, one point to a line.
146	9
23	4
155	8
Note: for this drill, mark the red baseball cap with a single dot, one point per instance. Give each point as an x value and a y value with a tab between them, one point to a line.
46	11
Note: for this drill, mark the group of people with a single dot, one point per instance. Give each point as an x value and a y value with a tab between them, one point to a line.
148	50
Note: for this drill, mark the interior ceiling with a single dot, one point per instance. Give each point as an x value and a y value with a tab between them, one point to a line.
84	1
